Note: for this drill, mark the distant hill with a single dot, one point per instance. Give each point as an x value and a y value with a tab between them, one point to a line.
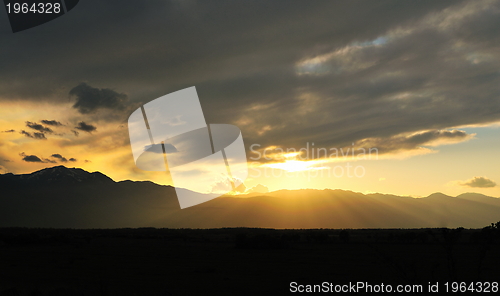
63	197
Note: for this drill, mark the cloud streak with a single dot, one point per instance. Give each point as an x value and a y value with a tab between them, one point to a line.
51	122
59	157
89	128
479	182
31	158
38	127
414	141
35	135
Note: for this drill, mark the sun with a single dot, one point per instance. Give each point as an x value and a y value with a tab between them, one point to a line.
290	165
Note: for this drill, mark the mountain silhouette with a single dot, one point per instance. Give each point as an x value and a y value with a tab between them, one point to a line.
55	176
63	197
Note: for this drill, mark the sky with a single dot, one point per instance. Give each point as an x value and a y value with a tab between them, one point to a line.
401	97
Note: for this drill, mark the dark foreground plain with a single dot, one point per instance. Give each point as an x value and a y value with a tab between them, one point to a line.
237	261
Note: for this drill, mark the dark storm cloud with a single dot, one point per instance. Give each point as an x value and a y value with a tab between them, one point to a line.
39	136
9	131
38	127
51	122
85	127
75	133
286	72
89	99
73	159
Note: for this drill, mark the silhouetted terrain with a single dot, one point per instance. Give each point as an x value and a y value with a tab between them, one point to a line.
231	261
73	198
237	261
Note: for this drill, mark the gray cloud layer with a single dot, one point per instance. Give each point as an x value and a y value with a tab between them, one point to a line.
382	68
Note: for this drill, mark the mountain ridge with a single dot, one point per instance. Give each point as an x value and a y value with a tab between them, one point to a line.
81	176
63	197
